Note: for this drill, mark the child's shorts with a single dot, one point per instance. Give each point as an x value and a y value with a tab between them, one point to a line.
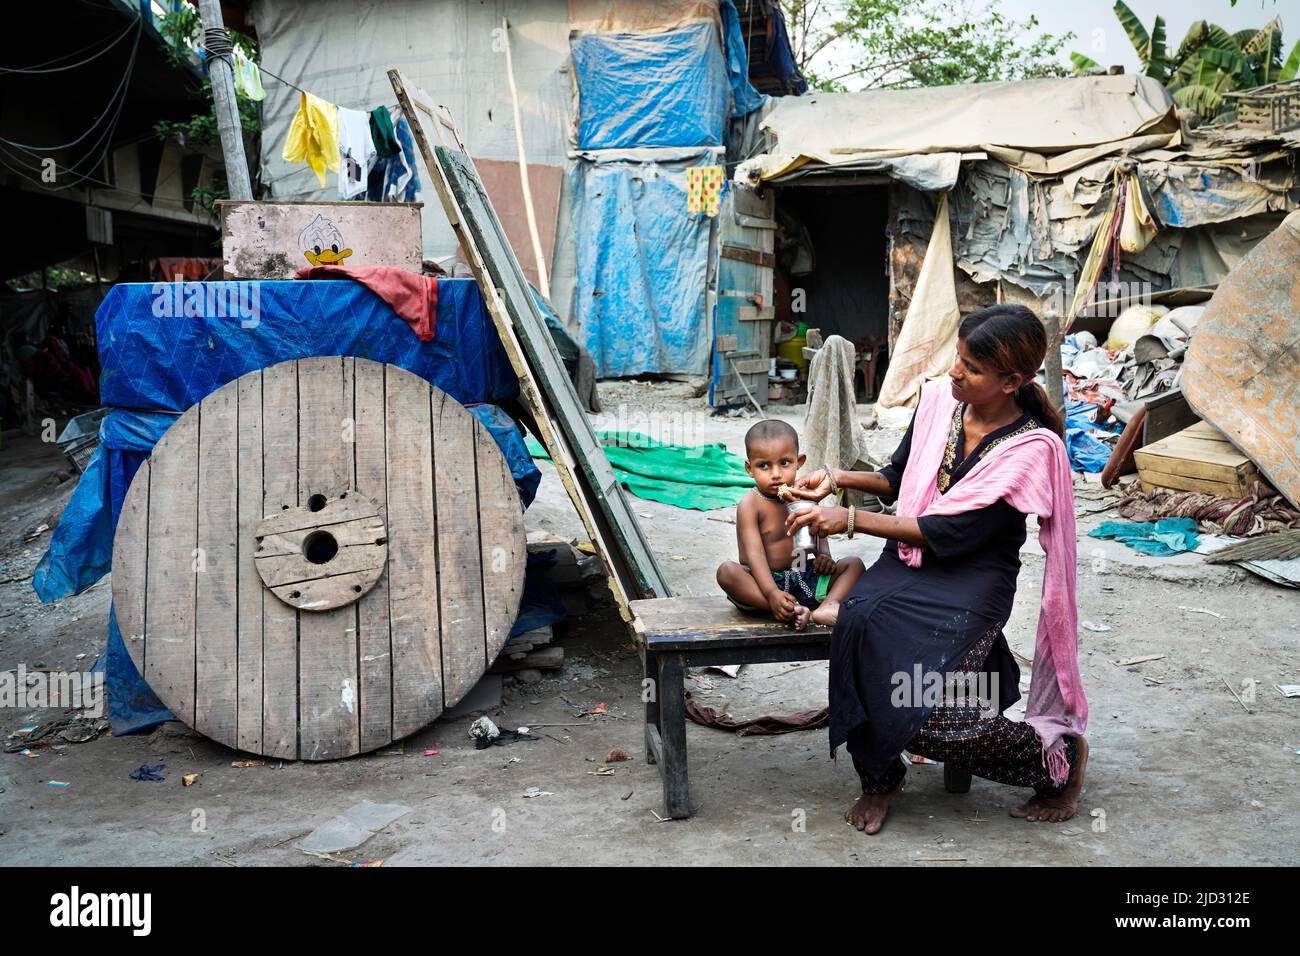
808	587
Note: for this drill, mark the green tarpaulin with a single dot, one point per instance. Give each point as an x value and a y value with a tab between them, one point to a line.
702	477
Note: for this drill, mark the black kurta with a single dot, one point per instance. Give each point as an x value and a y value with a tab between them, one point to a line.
897	616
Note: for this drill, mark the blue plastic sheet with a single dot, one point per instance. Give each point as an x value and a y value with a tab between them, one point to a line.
658	89
1087	453
744	98
641	286
169	362
510	440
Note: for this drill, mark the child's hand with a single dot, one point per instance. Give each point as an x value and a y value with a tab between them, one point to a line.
823	563
782	605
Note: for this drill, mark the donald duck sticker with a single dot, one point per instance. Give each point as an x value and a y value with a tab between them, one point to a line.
322	243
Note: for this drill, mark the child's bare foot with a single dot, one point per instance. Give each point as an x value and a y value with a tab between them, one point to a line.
826	614
869	812
1058	809
801	616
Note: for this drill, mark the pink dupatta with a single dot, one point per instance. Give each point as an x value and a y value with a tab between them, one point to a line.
1031	472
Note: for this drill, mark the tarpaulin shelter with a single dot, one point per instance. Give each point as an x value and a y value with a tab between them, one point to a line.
618	99
1032	170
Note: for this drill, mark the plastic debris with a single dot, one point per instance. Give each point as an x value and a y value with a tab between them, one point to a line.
532	792
1091	626
484	729
56	783
187	780
152	774
616	755
240	764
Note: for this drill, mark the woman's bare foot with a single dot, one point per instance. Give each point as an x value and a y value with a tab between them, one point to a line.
826	614
801	616
1058	809
868	814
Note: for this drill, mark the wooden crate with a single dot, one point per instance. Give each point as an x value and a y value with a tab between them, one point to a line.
272	240
1198	458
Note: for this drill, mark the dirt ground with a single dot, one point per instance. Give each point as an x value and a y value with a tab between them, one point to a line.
1180	774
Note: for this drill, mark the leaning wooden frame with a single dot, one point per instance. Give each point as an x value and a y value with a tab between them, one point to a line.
547	392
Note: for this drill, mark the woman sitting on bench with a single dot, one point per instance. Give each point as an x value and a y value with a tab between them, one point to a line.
983	451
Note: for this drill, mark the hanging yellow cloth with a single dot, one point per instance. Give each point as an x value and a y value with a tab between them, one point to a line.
314	136
1138	227
704	189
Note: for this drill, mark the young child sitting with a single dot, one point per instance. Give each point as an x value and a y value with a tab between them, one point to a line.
768	574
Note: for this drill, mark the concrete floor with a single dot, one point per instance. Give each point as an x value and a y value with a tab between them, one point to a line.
1180	774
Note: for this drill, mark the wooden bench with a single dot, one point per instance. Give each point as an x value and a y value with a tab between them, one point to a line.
673	634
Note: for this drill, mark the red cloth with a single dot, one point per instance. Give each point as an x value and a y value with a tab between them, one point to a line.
414	297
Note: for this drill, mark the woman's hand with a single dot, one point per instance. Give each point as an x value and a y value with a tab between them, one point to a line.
813	486
823	521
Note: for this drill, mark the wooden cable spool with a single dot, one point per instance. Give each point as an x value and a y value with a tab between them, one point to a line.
318	559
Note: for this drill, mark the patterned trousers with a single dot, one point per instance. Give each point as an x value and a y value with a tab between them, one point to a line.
959	732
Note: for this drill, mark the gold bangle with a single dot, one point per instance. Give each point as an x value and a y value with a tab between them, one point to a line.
852	519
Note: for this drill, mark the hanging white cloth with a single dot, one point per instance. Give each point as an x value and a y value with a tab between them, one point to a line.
356	152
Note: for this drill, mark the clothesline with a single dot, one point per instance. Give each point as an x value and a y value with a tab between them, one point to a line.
371	149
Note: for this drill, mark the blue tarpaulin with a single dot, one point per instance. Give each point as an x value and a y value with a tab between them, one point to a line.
640	298
161	361
656	89
169	362
1087	453
744	98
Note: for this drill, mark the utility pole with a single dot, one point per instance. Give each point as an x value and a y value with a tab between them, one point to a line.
221	72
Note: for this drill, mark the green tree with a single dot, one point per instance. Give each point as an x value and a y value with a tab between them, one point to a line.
888	44
1208	63
182	29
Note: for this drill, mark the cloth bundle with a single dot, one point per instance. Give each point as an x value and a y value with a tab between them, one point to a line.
1262	511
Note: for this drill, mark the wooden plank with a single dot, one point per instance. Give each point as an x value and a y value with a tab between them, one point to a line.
173	532
216	652
1157	479
328	721
714	621
279	621
269	240
460	564
249	589
413	601
547	392
501	533
374	646
130	566
752	256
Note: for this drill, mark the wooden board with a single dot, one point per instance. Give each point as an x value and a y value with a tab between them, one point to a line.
1198	458
544	383
1242	371
698	622
361	449
273	240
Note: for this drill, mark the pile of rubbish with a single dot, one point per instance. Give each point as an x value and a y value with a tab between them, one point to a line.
1141	356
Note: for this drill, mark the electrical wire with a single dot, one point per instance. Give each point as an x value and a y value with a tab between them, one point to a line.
39	67
119	95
